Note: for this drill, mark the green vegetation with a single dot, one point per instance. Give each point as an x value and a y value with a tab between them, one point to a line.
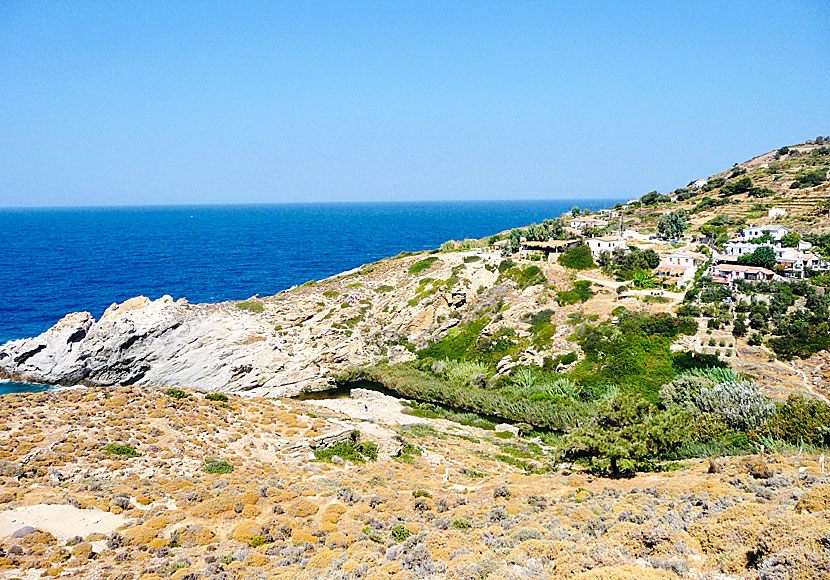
258	541
577	258
216	397
581	292
672	225
250	305
331	293
176	394
422	265
217	467
809	178
122	450
352	450
384	288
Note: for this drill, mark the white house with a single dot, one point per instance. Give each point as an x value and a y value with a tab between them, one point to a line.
581	223
775	212
609	213
606	244
738	249
685	259
728	273
700	183
680	266
755	232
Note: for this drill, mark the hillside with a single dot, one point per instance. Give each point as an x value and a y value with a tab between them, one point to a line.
539	403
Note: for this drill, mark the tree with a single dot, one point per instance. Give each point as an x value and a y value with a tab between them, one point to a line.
762	257
739	329
575	211
672	225
653	197
628	429
578	258
791	240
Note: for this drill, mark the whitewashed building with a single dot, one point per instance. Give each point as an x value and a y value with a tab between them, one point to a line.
606	244
587	222
755	232
775	212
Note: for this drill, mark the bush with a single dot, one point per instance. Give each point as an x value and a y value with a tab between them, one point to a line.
739	404
801	420
578	258
462	524
216	397
251	306
176	394
258	541
399	533
217	467
471	259
422	265
353	451
383	289
122	450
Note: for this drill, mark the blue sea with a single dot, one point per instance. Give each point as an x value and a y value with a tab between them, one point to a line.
54	261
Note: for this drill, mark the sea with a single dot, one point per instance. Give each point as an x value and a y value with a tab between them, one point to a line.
55	261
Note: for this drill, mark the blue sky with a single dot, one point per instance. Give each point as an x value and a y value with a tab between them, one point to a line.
135	103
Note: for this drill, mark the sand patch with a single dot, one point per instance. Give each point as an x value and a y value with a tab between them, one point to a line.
62	521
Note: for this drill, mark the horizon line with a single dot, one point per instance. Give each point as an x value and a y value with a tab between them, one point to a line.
289	203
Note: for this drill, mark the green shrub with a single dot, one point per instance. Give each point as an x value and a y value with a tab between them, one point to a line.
354	451
250	305
258	541
399	533
331	293
122	450
422	265
383	289
471	259
801	420
217	467
421	493
216	397
462	524
578	258
176	394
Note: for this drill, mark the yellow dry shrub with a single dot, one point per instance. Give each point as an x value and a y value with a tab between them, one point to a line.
301	508
246	531
626	573
213	507
735	527
157	543
181	573
195	535
333	513
338	540
443	544
328	527
257	560
322	559
250	511
648	539
82	551
300	535
791	530
250	497
279	495
815	500
141	534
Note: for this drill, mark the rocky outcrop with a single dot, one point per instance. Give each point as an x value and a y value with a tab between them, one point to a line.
291	344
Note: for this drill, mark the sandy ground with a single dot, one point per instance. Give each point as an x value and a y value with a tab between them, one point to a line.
62	521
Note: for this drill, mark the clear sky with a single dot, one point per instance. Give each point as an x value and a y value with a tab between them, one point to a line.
109	103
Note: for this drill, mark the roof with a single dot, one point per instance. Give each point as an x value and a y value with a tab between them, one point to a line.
741	268
588	220
549	244
670	269
609	239
686	255
769	228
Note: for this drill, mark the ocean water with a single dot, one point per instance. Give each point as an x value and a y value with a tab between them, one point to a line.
54	261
